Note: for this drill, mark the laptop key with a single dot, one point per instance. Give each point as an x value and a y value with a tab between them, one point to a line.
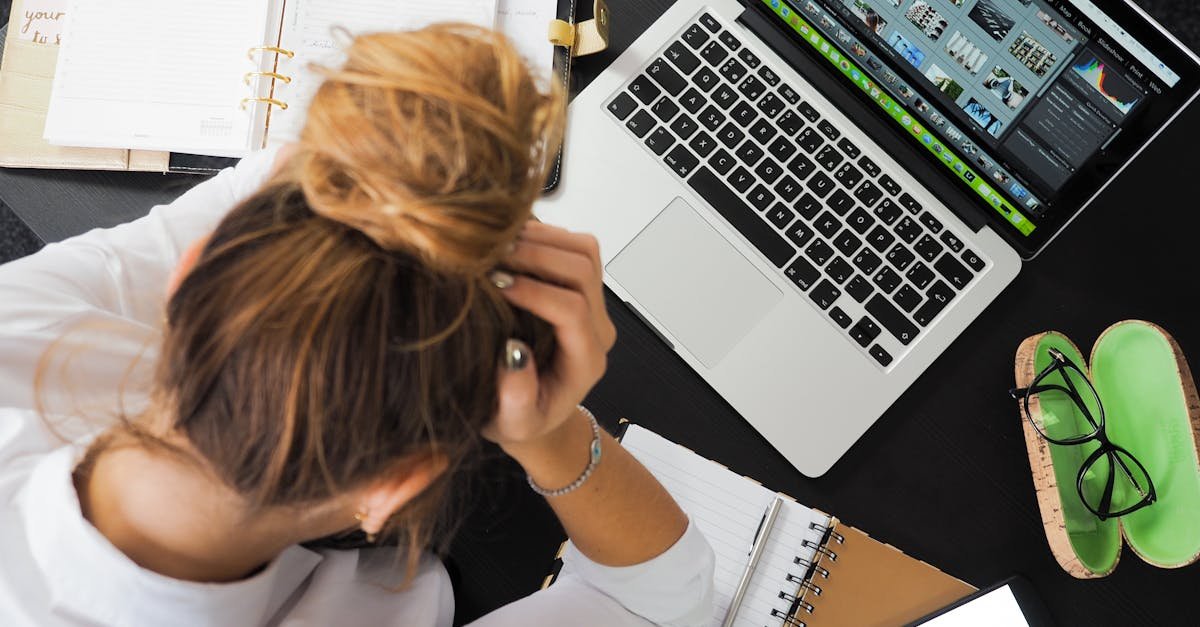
741	179
907	298
828	224
770	105
763	131
839	270
849	175
908	230
747	221
760	197
910	203
840	317
880	238
939	296
730	135
810	140
829	158
820	185
840	202
729	40
641	123
801	166
889	185
724	96
780	215
828	129
788	188
695	36
769	171
659	141
781	149
860	221
664	109
668	78
957	274
888	211
867	261
859	288
868	193
868	166
768	76
819	252
703	144
749	58
681	161
714	53
887	280
808	112
743	114
849	148
972	260
788	93
749	153
900	257
752	88
710	22
928	248
692	100
790	123
865	332
892	319
808	206
799	233
712	118
722	162
733	71
931	223
825	294
684	127
882	356
802	273
683	58
920	275
847	242
644	89
951	242
622	106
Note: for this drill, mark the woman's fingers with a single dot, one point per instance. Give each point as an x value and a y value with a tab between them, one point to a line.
582	354
582	243
517	392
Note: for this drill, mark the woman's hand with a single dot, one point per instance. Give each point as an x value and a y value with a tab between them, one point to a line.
559	278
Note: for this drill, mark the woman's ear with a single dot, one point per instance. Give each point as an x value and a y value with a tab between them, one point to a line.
385	497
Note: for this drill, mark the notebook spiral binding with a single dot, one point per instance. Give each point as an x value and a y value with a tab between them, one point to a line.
806	581
252	78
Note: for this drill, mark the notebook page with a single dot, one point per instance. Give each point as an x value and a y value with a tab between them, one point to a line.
160	76
727	508
308	30
526	22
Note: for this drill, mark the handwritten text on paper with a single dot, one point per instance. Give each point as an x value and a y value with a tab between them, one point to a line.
42	21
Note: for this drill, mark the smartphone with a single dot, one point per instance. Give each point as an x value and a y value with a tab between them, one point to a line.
1010	603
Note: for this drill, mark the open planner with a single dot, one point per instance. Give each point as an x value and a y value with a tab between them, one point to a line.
226	77
813	570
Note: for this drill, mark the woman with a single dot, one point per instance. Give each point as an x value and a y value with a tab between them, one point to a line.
325	359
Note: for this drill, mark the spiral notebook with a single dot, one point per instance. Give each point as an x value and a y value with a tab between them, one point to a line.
814	570
226	77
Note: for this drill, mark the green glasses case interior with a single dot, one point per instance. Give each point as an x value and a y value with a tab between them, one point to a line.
1152	410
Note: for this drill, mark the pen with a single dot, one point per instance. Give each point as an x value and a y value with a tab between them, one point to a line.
760	542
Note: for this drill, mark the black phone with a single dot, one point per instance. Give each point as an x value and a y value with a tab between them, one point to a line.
1010	603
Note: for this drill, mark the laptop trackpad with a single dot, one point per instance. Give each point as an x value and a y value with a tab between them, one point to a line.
694	282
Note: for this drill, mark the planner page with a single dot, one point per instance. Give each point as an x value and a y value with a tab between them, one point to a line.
728	508
311	29
157	76
527	24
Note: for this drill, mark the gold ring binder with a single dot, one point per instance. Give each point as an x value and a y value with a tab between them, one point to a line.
276	49
272	101
249	76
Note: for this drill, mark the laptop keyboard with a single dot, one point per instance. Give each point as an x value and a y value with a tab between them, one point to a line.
845	233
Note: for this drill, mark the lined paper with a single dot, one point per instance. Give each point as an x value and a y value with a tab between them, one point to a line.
159	76
727	509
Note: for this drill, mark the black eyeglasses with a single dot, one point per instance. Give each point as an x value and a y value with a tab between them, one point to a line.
1111	481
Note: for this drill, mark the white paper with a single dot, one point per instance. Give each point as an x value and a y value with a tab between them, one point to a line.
527	24
41	21
997	608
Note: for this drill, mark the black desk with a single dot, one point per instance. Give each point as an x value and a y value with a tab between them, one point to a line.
943	475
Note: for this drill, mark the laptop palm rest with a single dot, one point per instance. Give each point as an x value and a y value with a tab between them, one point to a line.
694	282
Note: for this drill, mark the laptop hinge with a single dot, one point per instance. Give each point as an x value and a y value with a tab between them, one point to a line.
888	136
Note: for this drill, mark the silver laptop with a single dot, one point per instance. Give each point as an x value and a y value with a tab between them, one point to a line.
810	199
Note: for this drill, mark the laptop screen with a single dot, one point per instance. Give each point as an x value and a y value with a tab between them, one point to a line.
1030	105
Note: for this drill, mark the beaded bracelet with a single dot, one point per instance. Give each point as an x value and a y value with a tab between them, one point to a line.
593	461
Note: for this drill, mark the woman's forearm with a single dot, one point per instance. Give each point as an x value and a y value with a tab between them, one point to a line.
621	515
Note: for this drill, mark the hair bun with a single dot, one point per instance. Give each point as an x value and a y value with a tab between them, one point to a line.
433	142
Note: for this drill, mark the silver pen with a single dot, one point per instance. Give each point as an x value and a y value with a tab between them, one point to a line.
760	542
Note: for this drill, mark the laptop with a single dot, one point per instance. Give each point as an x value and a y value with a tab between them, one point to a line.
810	199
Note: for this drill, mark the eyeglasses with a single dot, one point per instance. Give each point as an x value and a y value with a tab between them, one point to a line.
1111	481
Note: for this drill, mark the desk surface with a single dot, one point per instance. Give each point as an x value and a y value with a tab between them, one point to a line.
943	475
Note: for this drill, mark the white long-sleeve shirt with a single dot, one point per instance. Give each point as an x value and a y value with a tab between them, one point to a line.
105	292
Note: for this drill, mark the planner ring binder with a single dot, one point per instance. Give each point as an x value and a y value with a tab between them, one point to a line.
276	49
805	584
271	101
250	76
